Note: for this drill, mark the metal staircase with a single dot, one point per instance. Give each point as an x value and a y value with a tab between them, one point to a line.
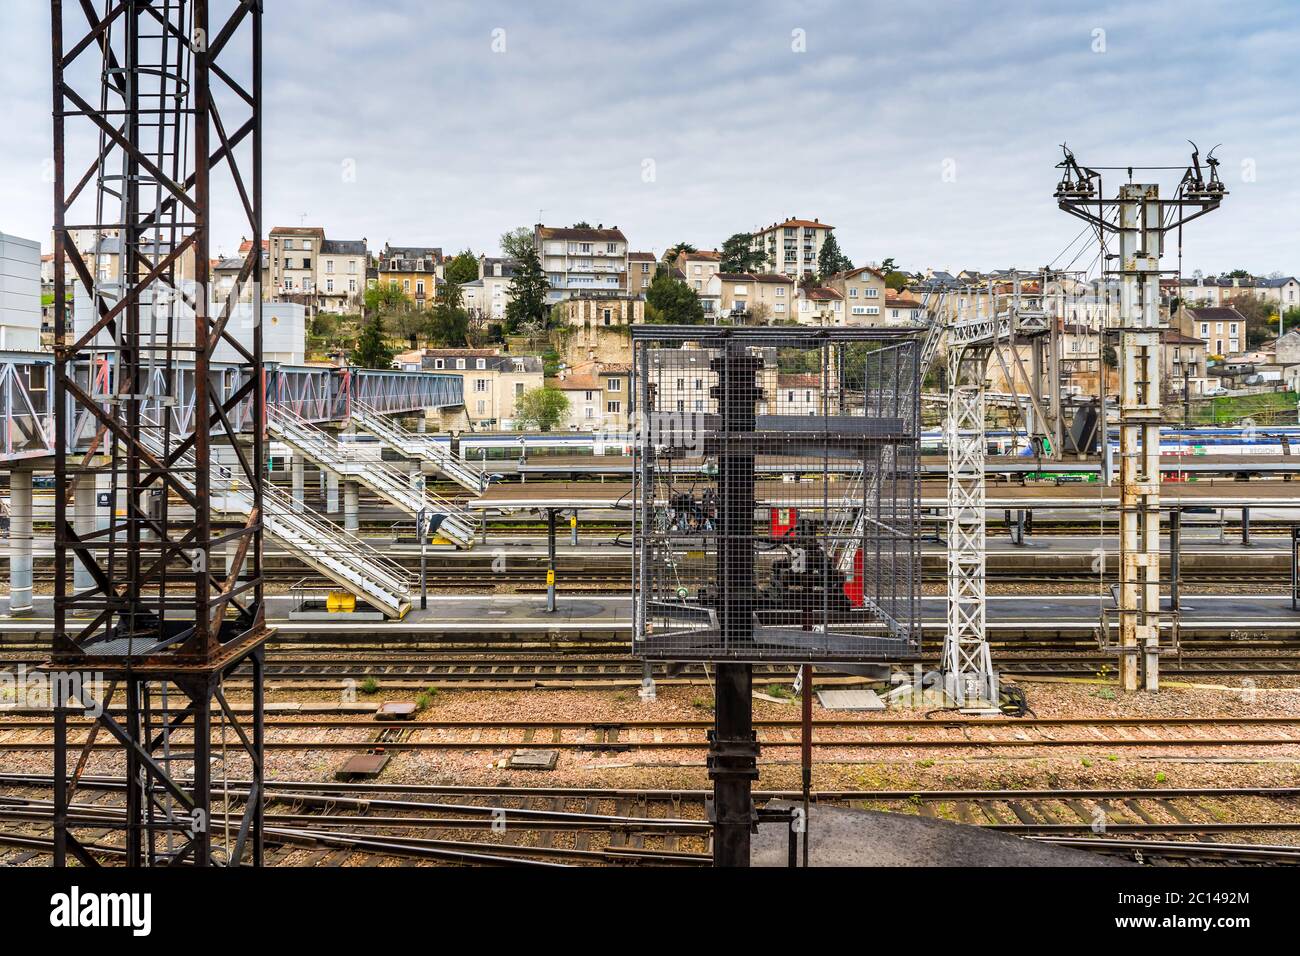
850	534
342	557
418	447
350	463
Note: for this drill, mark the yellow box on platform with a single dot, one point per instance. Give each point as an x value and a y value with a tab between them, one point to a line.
341	602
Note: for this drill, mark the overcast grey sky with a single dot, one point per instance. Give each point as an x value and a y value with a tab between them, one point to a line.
693	120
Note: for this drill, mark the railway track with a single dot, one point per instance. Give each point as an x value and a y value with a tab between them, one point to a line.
335	823
608	663
348	734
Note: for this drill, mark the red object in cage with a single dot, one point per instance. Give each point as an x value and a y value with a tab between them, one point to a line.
853	586
784	522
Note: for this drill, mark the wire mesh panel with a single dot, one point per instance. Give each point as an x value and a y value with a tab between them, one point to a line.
776	494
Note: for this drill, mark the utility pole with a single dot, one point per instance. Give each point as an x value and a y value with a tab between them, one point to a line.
1140	219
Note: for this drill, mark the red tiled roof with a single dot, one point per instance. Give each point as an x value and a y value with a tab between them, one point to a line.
586	235
799	380
809	223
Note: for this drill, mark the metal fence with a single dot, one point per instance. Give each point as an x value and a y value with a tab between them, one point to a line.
776	494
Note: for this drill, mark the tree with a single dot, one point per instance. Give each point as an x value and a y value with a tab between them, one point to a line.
389	305
672	252
831	259
407	324
516	243
674	301
581	225
448	322
1290	320
528	290
372	349
478	328
740	255
888	266
544	408
462	267
385	298
895	280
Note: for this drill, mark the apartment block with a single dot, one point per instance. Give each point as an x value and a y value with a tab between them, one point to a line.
582	260
792	247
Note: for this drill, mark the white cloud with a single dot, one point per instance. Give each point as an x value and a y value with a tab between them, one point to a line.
454	144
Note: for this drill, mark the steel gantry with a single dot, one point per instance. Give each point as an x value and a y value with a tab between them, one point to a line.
1140	219
156	107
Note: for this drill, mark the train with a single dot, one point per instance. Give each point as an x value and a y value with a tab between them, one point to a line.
480	447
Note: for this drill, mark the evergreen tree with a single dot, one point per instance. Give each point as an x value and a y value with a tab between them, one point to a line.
831	260
448	322
739	255
527	292
672	252
373	350
673	301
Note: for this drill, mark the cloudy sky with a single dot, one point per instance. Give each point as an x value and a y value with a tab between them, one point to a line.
926	132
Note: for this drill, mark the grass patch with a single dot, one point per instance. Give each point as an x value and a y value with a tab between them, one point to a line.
369	686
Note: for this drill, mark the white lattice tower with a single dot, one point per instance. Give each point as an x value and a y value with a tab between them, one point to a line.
967	666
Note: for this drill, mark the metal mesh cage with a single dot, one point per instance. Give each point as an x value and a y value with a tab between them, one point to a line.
776	494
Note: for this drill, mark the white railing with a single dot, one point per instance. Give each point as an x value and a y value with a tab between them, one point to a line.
348	461
339	555
418	445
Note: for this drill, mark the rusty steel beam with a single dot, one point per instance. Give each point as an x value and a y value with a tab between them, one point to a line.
133	91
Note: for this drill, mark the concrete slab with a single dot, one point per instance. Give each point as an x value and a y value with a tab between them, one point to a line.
338	617
859	698
533	760
362	767
840	836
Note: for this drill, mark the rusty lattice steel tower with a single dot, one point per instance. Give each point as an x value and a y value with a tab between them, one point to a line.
156	112
1141	219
